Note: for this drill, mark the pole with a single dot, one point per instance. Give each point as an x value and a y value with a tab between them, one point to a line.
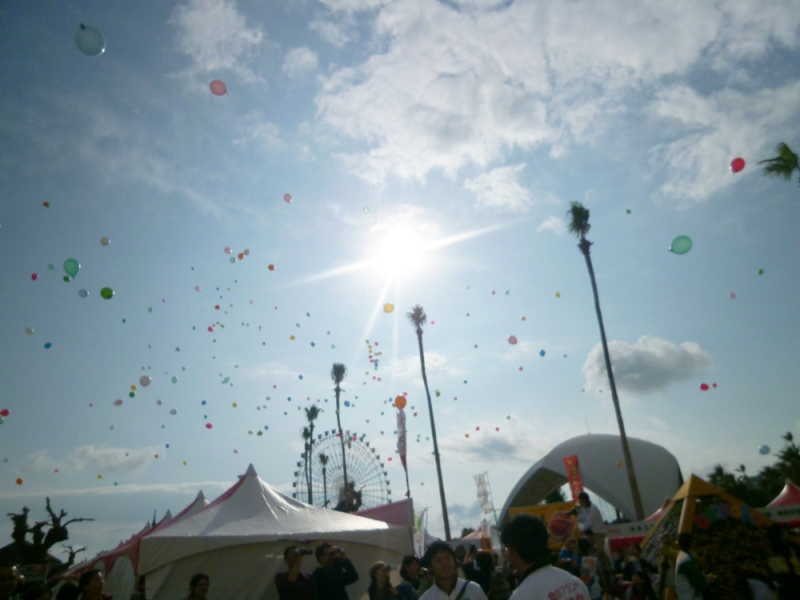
494	510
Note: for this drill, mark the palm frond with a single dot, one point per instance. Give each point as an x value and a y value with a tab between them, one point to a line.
312	412
782	165
338	373
323	458
579	220
417	316
306	433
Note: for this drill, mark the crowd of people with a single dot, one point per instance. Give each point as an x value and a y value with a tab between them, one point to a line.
526	569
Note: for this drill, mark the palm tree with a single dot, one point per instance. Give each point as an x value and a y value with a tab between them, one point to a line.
307	458
338	373
579	225
312	412
323	459
418	319
783	165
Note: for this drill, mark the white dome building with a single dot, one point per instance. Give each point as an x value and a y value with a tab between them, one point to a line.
657	472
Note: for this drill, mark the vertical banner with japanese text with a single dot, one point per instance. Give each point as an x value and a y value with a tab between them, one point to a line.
574	476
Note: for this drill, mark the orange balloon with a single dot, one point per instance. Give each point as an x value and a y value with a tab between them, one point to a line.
218	88
400	402
19	480
272	268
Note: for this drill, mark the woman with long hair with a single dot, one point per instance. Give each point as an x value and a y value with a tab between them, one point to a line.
380	588
198	586
411	588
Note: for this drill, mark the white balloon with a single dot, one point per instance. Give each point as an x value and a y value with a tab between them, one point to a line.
90	41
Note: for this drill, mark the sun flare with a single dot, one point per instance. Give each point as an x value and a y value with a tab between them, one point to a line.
400	252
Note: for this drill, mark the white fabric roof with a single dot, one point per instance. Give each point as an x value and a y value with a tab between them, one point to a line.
657	473
248	525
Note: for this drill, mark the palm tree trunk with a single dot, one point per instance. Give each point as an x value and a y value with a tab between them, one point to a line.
626	451
341	439
433	435
325	486
308	462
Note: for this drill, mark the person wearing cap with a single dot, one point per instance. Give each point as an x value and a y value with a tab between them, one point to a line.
379	587
294	585
440	558
525	547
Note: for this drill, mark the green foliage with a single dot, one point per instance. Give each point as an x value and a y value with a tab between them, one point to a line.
579	219
338	373
782	165
759	490
417	316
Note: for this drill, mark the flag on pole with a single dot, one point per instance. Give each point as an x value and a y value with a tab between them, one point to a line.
574	476
482	481
401	437
419	532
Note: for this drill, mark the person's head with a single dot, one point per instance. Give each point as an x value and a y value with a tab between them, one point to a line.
198	585
291	556
685	541
583	500
634	550
91	582
441	559
584	547
9	577
526	540
409	568
326	553
484	561
379	573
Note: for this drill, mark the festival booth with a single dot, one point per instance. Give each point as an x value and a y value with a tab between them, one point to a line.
730	537
238	541
120	565
785	508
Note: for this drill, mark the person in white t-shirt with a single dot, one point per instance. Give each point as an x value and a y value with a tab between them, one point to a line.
441	560
525	547
591	524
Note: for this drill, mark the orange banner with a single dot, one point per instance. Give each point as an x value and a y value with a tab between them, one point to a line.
560	524
574	476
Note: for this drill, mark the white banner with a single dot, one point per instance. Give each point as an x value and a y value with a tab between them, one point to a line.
419	532
482	482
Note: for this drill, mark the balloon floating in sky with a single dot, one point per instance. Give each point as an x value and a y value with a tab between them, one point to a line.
117	402
272	268
144	380
19	481
763	449
46	204
681	245
29	330
83	293
704	387
737	164
71	267
34	277
48	345
732	296
512	340
90	41
174	379
107	293
173	412
287	197
209	425
5	412
388	307
218	88
542	353
400	402
104	241
761	271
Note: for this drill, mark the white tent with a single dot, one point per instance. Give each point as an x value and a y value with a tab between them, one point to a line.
238	541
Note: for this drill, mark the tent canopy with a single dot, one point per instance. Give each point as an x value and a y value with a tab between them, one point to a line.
238	540
657	472
789	495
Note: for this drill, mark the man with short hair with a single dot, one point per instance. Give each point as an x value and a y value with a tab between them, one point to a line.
9	577
441	560
690	583
525	541
334	573
294	585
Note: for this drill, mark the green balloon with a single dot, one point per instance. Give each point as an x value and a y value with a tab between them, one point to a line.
681	245
71	267
107	293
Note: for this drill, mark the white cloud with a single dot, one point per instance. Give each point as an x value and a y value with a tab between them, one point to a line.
716	129
215	36
408	368
650	364
500	188
335	33
102	459
262	133
456	85
299	62
554	224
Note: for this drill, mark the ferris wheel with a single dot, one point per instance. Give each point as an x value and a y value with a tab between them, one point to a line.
368	481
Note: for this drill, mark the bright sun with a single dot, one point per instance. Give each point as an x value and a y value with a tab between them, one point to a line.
399	252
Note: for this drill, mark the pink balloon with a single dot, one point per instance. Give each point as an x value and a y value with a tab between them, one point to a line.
512	340
218	88
737	164
117	402
287	197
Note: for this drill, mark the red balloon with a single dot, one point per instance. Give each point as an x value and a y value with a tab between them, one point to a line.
218	88
737	164
34	277
704	387
5	412
209	425
287	197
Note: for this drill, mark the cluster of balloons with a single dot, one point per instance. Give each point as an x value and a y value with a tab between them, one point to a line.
241	254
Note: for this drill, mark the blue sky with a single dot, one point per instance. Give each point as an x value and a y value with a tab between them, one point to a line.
431	150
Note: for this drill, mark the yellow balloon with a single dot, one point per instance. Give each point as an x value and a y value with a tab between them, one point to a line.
389	307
